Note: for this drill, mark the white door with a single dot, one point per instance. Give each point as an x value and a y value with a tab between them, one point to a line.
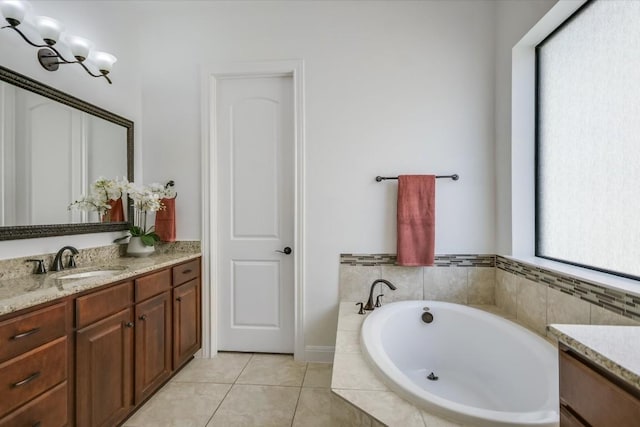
255	185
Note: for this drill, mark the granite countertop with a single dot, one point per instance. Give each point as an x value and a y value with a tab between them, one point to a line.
28	291
615	348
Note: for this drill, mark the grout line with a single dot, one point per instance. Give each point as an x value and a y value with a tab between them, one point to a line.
306	369
230	388
219	404
244	367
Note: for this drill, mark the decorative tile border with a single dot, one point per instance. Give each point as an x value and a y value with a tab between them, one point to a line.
449	260
627	305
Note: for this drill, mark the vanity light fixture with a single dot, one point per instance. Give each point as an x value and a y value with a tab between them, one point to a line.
49	30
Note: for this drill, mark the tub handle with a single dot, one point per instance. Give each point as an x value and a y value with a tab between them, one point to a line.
361	311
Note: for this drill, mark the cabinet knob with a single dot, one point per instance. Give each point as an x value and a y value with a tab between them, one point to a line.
179	299
129	324
143	317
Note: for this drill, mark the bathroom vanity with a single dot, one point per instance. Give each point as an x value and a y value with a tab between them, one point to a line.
88	352
599	375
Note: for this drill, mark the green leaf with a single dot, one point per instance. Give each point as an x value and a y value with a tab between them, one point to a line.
147	240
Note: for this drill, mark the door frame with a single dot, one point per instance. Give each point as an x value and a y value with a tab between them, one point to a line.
209	76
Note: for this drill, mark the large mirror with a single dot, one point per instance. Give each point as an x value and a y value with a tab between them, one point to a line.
53	146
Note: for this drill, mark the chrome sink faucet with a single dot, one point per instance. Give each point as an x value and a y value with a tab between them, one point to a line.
57	261
370	304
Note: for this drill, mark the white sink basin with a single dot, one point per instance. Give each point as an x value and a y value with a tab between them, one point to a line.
105	272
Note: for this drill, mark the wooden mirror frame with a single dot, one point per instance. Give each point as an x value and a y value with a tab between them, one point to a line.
48	230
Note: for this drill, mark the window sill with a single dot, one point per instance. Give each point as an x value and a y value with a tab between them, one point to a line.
617	283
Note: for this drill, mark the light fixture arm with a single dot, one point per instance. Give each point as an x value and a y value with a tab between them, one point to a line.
23	36
50	58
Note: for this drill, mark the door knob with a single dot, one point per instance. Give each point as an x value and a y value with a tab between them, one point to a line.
287	250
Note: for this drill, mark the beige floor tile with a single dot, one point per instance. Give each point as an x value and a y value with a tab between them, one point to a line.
224	368
180	405
313	408
318	375
255	405
273	369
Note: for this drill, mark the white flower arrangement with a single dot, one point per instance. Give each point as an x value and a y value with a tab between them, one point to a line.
146	199
100	192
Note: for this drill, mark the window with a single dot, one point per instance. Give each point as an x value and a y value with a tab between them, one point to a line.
588	139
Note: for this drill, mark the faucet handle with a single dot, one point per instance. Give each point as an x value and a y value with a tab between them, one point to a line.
40	268
361	304
378	303
72	261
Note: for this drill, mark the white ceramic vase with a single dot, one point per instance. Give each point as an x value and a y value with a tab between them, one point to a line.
138	249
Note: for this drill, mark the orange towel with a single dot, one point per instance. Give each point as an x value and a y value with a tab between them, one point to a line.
116	213
165	226
416	219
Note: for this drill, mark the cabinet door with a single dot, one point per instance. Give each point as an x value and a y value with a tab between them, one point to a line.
186	321
104	356
153	344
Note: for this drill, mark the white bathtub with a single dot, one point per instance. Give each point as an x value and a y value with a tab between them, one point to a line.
491	372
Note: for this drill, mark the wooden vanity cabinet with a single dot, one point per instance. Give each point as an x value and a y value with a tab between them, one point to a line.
104	356
90	360
153	333
592	397
186	312
35	367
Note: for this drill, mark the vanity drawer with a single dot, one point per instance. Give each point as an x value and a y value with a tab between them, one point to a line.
184	272
597	399
26	332
24	377
98	305
48	410
153	284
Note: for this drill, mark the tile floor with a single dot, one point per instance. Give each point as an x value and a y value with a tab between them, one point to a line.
241	389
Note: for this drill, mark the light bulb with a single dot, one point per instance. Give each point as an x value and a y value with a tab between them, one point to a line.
14	11
79	47
48	28
104	61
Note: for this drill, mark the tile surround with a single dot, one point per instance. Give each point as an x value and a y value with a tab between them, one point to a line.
444	260
491	279
624	304
531	296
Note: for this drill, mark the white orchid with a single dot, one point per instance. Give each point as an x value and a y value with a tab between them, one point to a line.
100	192
145	199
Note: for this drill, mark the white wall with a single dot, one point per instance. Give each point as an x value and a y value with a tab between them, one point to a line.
391	88
514	19
111	26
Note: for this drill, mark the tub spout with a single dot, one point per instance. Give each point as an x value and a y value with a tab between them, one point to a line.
370	305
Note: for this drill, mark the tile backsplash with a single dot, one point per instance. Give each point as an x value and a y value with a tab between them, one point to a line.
532	295
471	281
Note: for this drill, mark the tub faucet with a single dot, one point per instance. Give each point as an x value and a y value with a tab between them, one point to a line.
370	305
57	261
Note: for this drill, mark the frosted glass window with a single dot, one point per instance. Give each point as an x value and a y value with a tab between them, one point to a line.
588	139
